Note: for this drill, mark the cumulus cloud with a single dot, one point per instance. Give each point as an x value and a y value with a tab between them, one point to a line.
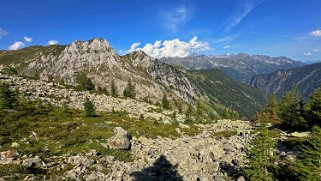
176	17
307	53
3	33
27	39
16	45
316	33
172	48
316	50
53	42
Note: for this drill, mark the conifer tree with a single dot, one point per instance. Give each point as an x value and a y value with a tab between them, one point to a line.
292	110
313	108
7	97
113	89
189	112
89	108
165	102
309	163
84	81
225	114
129	91
272	105
199	109
260	155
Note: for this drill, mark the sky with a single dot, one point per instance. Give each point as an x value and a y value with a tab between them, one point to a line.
161	28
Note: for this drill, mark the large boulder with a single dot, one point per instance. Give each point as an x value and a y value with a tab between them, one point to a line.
8	154
120	141
300	134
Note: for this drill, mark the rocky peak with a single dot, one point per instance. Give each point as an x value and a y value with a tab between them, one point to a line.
140	59
90	46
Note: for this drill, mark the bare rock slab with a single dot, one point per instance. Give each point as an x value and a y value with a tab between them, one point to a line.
120	141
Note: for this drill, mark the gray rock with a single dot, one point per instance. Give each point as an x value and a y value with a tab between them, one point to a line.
120	141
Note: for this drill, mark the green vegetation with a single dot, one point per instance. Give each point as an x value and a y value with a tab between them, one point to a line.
84	82
89	108
7	97
225	134
113	89
165	102
129	91
260	156
313	108
309	163
223	92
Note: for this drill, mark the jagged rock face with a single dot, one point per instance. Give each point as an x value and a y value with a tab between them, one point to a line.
100	61
306	78
239	67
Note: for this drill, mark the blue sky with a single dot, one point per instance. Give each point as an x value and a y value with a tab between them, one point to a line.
272	27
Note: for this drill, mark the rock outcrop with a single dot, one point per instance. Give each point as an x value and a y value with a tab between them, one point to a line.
120	141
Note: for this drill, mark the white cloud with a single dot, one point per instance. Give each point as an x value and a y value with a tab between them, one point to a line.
177	17
16	45
27	39
316	50
316	33
307	53
172	48
53	42
3	33
247	7
227	46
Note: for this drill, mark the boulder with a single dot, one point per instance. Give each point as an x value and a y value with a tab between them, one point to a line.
120	141
8	154
300	134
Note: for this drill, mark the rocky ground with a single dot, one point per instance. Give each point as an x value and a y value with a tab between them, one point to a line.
201	157
58	94
216	152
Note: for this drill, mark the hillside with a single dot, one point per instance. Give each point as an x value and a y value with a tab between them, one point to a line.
240	67
233	94
306	78
98	60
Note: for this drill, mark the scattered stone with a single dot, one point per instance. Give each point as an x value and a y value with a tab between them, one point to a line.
300	134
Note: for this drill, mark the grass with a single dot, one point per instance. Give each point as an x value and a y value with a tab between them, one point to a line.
49	131
225	134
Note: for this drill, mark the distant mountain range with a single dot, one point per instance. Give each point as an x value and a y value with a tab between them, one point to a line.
152	77
306	78
240	67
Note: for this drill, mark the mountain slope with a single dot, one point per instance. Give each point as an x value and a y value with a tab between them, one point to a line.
233	94
240	67
102	65
306	78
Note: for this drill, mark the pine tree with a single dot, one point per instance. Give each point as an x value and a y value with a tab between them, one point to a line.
165	102
189	112
199	108
313	108
309	163
272	105
84	81
7	97
225	114
292	110
113	89
129	91
260	156
89	108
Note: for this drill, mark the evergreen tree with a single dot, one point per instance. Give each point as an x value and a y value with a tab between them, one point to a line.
165	102
89	108
129	91
313	108
309	163
292	110
113	89
199	108
84	81
189	112
235	115
7	97
225	114
272	105
260	156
